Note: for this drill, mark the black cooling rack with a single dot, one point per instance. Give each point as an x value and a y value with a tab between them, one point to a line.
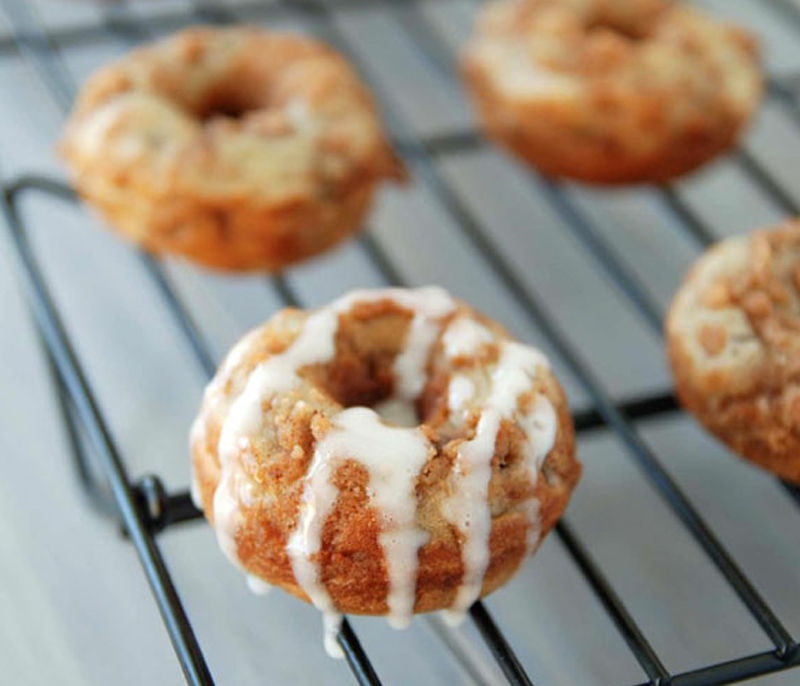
144	508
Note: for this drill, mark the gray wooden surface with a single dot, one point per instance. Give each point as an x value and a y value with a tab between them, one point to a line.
74	606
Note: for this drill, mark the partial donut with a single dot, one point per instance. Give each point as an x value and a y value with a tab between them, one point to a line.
611	91
391	453
238	148
733	335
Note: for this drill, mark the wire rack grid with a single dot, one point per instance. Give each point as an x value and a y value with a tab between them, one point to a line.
145	508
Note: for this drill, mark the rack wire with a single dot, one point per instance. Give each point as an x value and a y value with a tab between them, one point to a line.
144	507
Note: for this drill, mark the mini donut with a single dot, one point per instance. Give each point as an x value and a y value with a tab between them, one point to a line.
611	91
393	452
733	335
238	148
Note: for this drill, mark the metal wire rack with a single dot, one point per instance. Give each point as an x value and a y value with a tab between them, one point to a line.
144	508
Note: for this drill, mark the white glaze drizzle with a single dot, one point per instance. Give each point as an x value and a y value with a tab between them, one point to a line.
459	392
331	623
319	496
464	337
540	426
468	507
197	437
409	365
299	114
513	374
194	491
393	456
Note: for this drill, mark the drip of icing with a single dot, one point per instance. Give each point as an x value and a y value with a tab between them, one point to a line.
194	492
409	365
319	495
258	586
315	343
197	436
460	391
331	623
298	113
231	492
468	508
464	337
515	370
540	426
393	458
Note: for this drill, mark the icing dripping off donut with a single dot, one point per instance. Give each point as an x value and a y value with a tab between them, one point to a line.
540	426
194	492
257	585
460	391
467	508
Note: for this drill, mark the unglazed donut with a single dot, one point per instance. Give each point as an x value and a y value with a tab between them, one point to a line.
611	91
238	148
391	453
733	335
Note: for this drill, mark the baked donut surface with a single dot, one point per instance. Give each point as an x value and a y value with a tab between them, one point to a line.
733	335
238	148
610	91
391	453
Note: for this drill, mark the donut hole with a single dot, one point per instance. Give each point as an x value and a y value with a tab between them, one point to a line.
227	103
619	27
226	109
362	371
371	385
233	97
358	383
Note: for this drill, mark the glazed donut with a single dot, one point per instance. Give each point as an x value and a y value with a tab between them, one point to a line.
611	91
733	335
238	148
391	453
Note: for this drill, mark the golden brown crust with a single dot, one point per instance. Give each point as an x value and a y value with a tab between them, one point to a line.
237	147
611	91
733	338
351	560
